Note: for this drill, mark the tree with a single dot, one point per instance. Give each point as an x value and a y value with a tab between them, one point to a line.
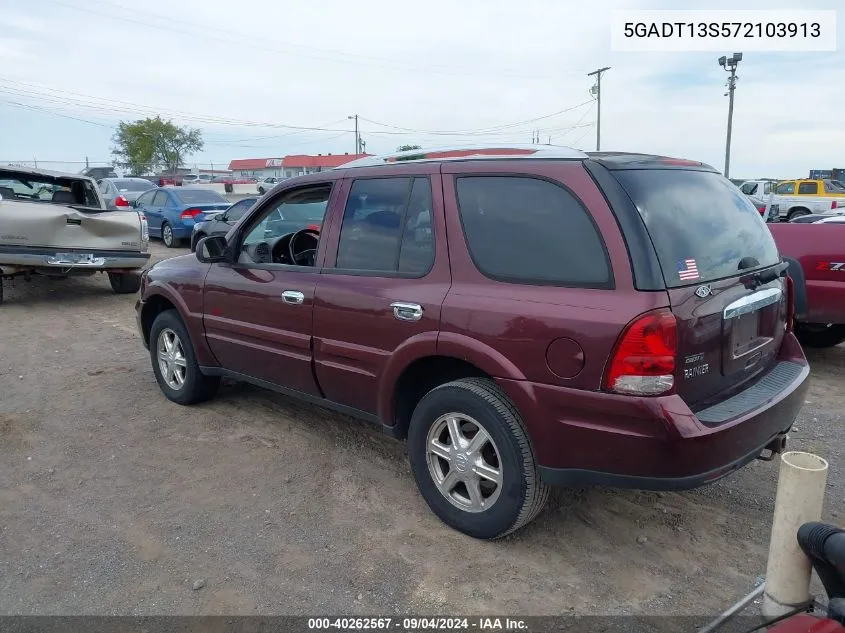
153	144
407	148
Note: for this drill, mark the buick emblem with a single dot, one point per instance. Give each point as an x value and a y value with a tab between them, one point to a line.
703	291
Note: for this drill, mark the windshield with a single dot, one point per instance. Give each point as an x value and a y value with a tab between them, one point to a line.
200	196
701	225
133	185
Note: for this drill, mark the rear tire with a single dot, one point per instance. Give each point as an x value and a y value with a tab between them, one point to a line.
454	486
820	335
167	236
175	363
797	213
125	283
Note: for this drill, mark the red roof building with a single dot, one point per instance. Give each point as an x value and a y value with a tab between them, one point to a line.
289	166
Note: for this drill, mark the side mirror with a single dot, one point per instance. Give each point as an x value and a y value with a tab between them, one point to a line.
211	250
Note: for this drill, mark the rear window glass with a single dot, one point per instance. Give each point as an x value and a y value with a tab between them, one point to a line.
133	185
199	196
701	225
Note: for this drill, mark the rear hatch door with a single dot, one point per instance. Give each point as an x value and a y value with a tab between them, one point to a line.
722	273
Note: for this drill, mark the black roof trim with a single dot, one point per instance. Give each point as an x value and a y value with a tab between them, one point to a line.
629	160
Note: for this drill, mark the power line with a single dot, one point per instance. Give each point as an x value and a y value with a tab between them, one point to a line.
101	104
482	131
341	57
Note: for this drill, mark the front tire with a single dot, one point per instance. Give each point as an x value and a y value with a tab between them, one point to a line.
820	334
125	283
175	363
195	240
473	461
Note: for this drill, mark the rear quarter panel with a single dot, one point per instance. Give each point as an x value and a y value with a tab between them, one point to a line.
820	250
507	328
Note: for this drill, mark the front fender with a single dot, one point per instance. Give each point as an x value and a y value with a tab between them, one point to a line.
188	304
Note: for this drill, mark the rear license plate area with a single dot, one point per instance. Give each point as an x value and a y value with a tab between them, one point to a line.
745	333
74	259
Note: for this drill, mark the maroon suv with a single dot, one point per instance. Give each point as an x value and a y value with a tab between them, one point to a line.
524	317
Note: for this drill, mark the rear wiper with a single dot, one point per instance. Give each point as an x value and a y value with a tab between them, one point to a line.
757	279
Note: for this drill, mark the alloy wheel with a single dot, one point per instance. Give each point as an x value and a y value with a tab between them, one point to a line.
171	359
464	462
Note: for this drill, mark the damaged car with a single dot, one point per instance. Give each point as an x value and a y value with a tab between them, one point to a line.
57	224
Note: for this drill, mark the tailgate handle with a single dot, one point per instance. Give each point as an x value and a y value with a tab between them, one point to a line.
753	302
74	221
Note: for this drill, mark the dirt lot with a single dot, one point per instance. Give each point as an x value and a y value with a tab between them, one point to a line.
115	501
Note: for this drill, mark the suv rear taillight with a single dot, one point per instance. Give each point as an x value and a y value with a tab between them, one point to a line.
643	361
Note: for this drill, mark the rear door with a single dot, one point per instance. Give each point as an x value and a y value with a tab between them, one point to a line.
384	282
144	204
719	264
157	207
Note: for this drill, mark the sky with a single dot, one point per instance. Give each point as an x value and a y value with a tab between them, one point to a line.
250	73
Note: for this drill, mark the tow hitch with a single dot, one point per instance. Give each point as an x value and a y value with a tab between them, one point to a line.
773	448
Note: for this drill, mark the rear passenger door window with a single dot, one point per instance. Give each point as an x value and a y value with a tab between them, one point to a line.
527	230
387	227
160	199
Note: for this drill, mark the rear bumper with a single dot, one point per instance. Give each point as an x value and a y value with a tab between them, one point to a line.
48	257
590	438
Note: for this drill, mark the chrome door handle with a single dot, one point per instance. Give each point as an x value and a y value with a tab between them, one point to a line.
407	311
293	297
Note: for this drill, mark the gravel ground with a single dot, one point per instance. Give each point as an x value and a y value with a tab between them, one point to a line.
115	501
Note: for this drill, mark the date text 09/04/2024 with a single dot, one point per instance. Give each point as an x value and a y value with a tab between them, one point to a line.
417	624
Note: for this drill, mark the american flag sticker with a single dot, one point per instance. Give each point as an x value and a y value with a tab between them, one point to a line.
687	270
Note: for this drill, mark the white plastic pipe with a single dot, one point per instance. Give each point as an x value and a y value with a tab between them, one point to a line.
801	487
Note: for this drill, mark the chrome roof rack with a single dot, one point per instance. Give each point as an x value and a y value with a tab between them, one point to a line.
480	152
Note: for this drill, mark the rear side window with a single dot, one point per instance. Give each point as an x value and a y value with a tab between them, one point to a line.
526	230
786	188
808	188
701	225
160	199
387	227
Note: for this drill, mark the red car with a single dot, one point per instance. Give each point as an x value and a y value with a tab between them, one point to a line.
523	317
816	256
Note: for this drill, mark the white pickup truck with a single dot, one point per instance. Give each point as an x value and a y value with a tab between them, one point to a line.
57	224
795	198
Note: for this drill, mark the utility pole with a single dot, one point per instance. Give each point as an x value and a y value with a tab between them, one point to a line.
357	138
729	64
596	90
